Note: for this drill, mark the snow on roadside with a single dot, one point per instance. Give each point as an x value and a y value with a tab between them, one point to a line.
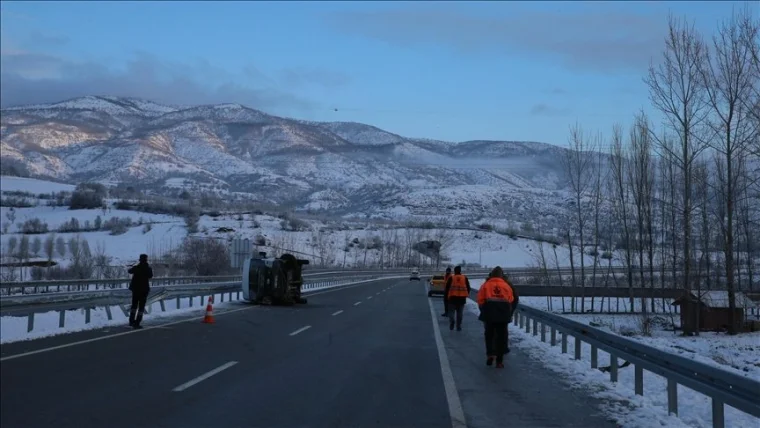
739	354
13	329
621	403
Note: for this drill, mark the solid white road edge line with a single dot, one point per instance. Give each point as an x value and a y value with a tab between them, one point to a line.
369	297
452	395
357	303
300	330
204	376
337	312
193	318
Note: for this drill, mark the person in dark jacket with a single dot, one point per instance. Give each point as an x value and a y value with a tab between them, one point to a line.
457	290
496	300
140	287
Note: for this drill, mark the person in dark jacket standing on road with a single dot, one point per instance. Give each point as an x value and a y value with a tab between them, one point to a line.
496	299
140	287
457	291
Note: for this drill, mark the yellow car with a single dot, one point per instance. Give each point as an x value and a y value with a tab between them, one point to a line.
436	285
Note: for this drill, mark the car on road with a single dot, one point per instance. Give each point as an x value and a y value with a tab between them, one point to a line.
437	285
415	276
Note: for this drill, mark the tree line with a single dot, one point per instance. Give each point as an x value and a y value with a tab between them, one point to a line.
684	195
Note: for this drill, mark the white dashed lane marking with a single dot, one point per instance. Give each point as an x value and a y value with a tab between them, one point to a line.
302	329
204	376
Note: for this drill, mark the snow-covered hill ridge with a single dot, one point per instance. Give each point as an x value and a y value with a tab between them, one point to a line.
233	148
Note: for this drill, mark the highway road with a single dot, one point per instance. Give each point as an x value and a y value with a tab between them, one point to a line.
376	354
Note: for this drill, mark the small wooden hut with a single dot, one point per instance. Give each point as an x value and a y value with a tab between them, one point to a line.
712	308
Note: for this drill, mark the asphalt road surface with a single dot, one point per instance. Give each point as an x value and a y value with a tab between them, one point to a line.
376	354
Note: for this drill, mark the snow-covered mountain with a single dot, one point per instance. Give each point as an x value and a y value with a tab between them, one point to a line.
338	167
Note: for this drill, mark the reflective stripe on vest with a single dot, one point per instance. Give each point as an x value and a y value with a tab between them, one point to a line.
458	286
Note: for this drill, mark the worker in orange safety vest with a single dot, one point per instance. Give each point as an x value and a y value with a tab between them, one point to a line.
496	300
457	291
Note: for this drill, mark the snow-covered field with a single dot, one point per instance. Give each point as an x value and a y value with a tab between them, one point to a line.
739	354
156	234
31	185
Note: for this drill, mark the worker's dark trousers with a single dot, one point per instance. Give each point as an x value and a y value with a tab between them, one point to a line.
455	309
138	307
496	339
445	305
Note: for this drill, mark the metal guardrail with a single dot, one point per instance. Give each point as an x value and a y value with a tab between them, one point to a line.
77	285
29	305
722	386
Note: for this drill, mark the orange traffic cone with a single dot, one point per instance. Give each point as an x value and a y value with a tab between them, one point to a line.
209	318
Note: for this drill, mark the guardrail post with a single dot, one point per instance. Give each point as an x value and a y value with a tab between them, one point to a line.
178	303
61	318
535	326
554	336
527	325
108	312
191	301
672	397
87	316
543	332
717	414
163	305
577	348
564	342
238	295
638	379
613	368
221	298
522	320
30	322
594	357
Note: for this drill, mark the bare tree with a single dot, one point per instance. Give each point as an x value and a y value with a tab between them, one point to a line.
204	257
11	215
704	265
36	246
12	244
729	79
23	252
50	247
599	177
620	167
60	246
578	166
445	238
676	89
749	30
641	183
